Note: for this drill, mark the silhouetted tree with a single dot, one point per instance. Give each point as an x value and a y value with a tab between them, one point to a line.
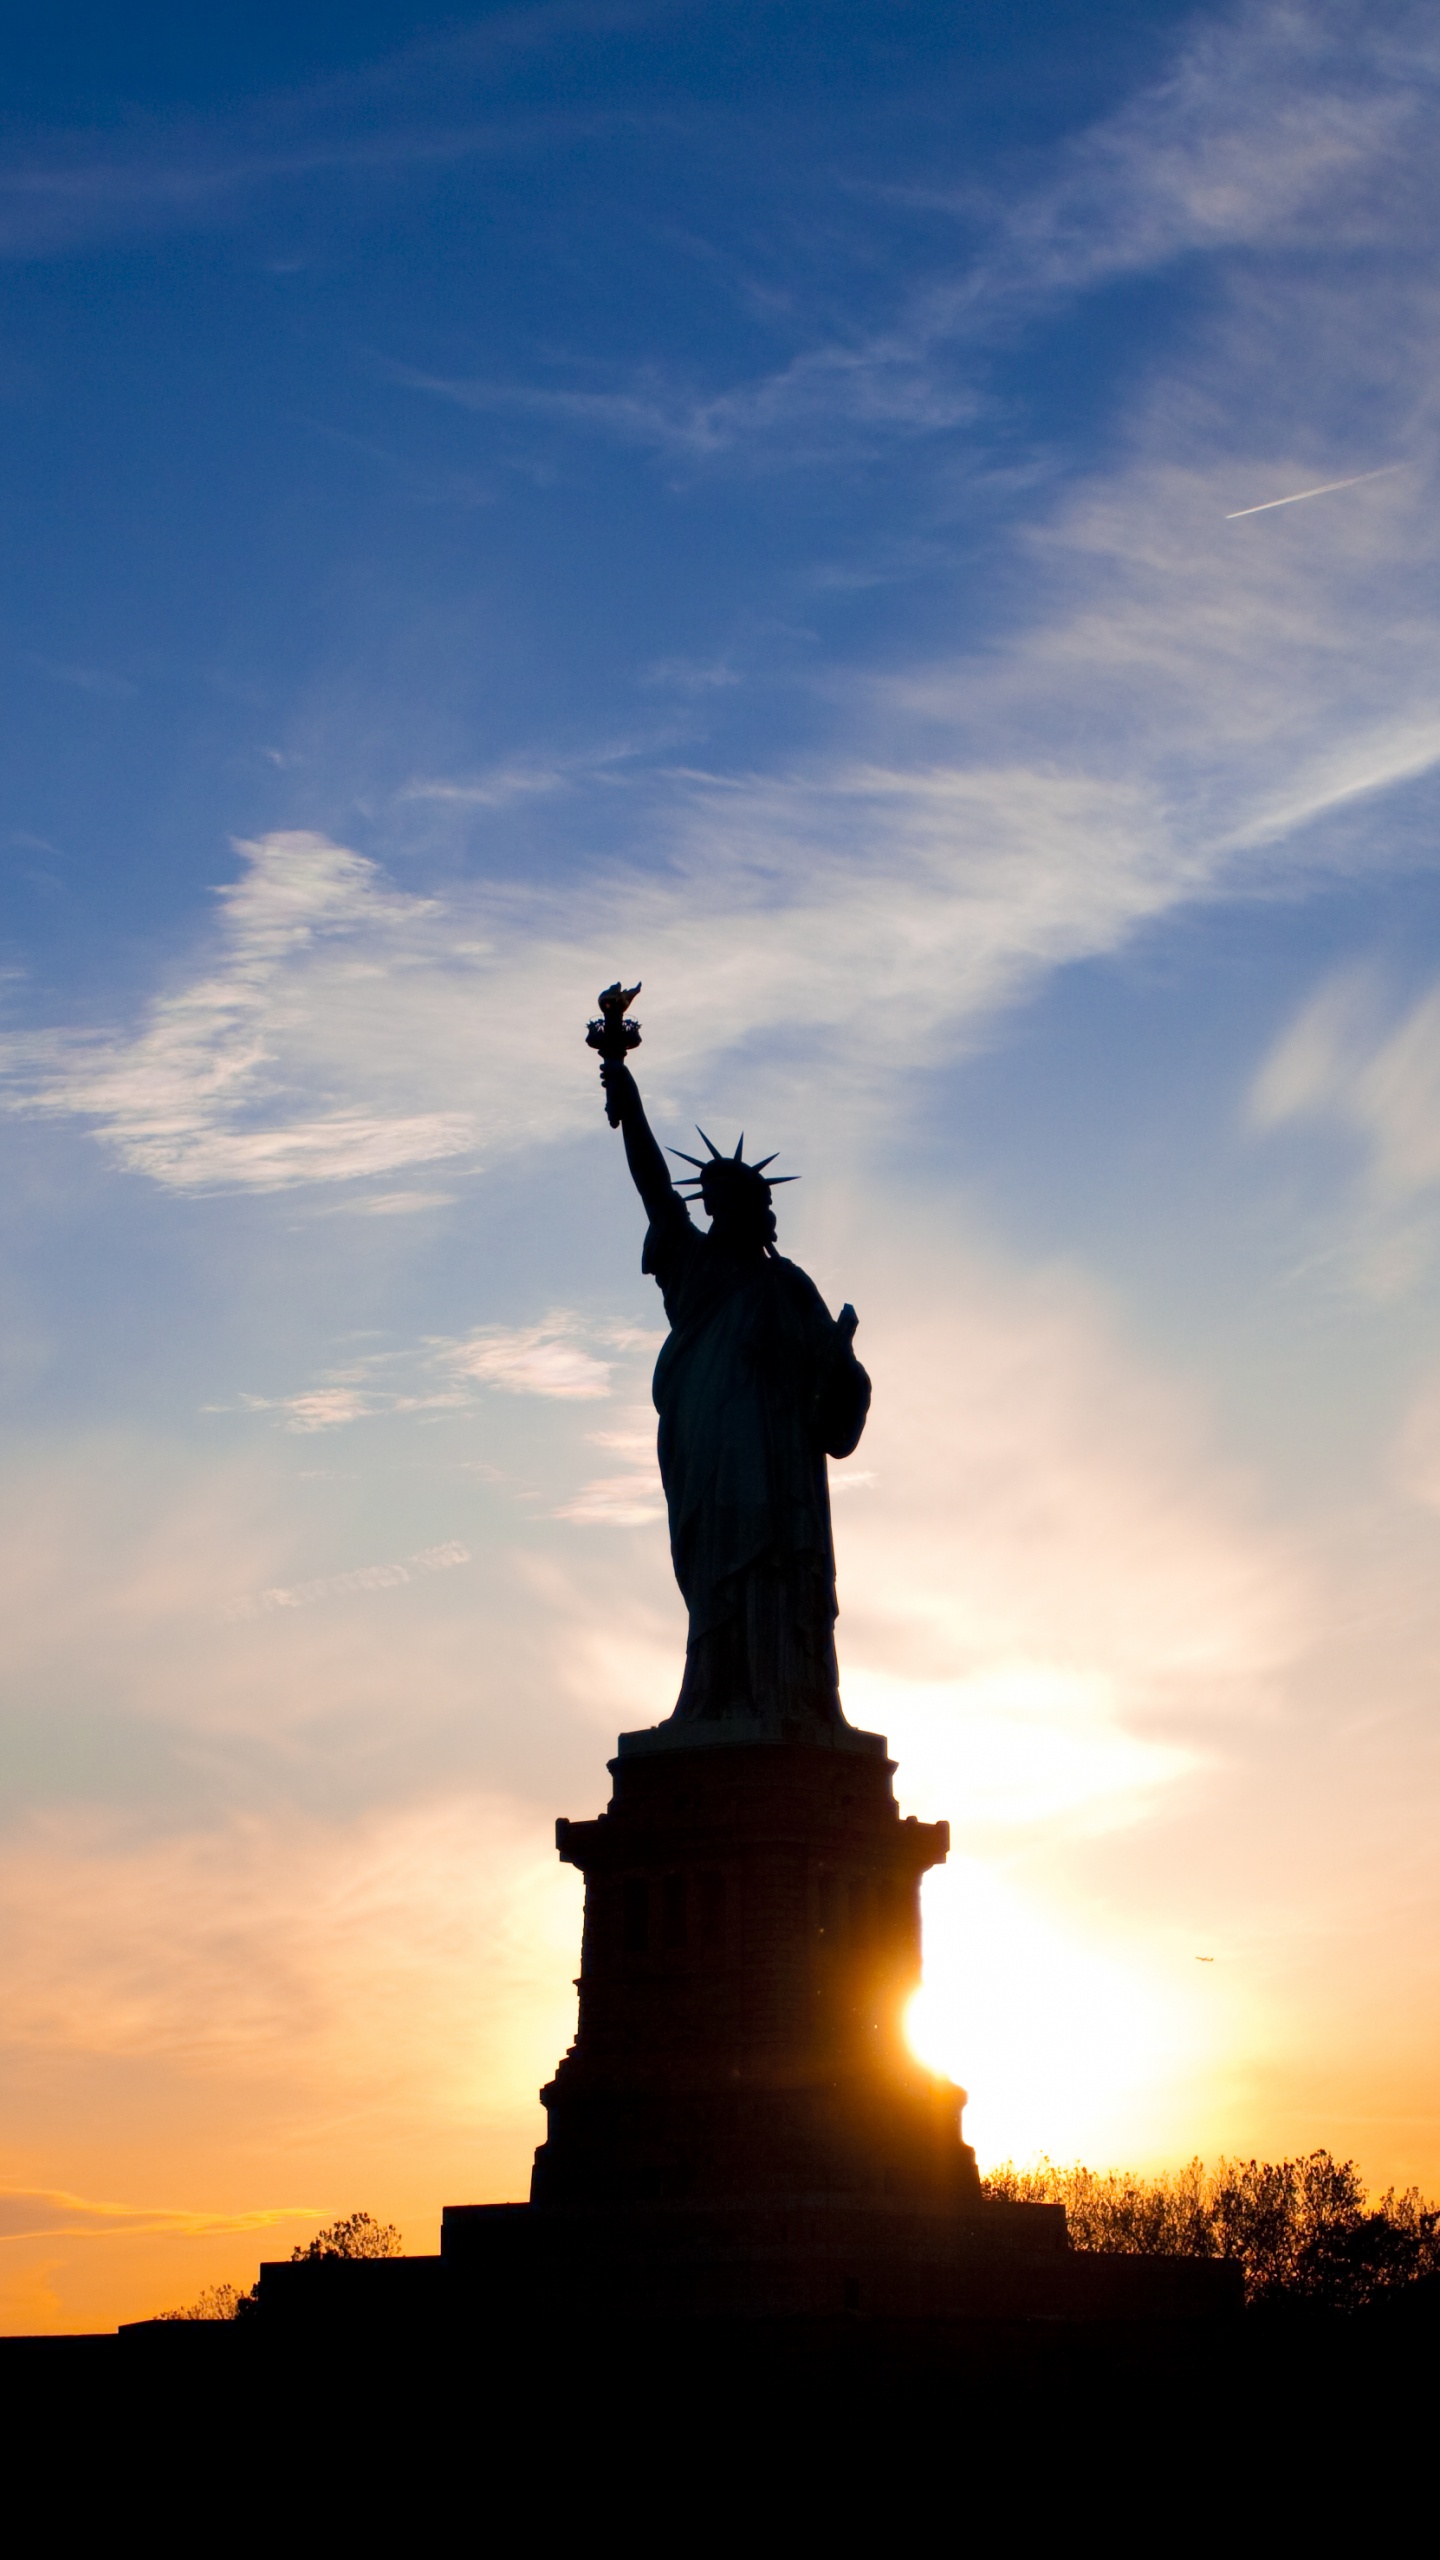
357	2235
217	2302
1303	2230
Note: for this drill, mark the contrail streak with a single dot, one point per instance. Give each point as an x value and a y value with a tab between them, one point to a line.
1322	492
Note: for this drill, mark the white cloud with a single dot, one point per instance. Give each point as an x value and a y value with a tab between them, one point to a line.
1343	1061
181	1101
399	1204
516	780
628	1501
318	1409
534	1360
552	1358
328	981
1315	1058
1274	125
1241	680
343	1031
1180	701
1274	122
883	385
365	1577
692	675
413	106
615	1502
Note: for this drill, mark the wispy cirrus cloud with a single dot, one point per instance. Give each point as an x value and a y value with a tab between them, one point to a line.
448	1030
48	2213
365	1577
531	777
1349	1060
186	1101
925	894
86	188
615	1502
315	1408
558	1358
1276	123
885	385
1180	706
624	1501
420	104
1186	703
534	1360
1273	118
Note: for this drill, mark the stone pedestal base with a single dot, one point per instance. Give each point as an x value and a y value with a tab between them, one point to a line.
815	2259
752	1935
740	2135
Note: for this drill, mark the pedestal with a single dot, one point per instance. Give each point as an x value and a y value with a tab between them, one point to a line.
752	1937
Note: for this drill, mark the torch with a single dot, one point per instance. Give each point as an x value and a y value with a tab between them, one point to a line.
614	1035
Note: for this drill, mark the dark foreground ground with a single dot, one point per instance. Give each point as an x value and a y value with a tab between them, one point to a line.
1266	2428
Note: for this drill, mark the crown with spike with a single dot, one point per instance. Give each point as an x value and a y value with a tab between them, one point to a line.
725	1179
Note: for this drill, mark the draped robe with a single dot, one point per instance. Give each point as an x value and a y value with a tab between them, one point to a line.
755	1386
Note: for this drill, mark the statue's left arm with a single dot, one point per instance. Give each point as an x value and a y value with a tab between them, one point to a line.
843	1400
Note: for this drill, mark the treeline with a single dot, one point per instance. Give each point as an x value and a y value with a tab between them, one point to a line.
356	2235
1304	2231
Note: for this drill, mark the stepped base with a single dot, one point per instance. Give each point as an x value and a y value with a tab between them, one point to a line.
810	2259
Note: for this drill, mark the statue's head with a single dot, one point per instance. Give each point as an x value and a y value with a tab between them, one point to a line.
737	1203
735	1196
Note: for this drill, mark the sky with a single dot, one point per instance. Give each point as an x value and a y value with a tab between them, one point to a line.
909	529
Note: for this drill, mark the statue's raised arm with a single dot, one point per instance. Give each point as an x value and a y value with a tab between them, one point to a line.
756	1385
615	1035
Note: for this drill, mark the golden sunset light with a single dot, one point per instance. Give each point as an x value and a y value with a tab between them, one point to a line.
792	519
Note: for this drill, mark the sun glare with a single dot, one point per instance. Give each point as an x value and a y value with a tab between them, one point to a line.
1066	2044
1065	2047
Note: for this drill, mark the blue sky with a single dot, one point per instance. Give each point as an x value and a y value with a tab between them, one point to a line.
805	507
